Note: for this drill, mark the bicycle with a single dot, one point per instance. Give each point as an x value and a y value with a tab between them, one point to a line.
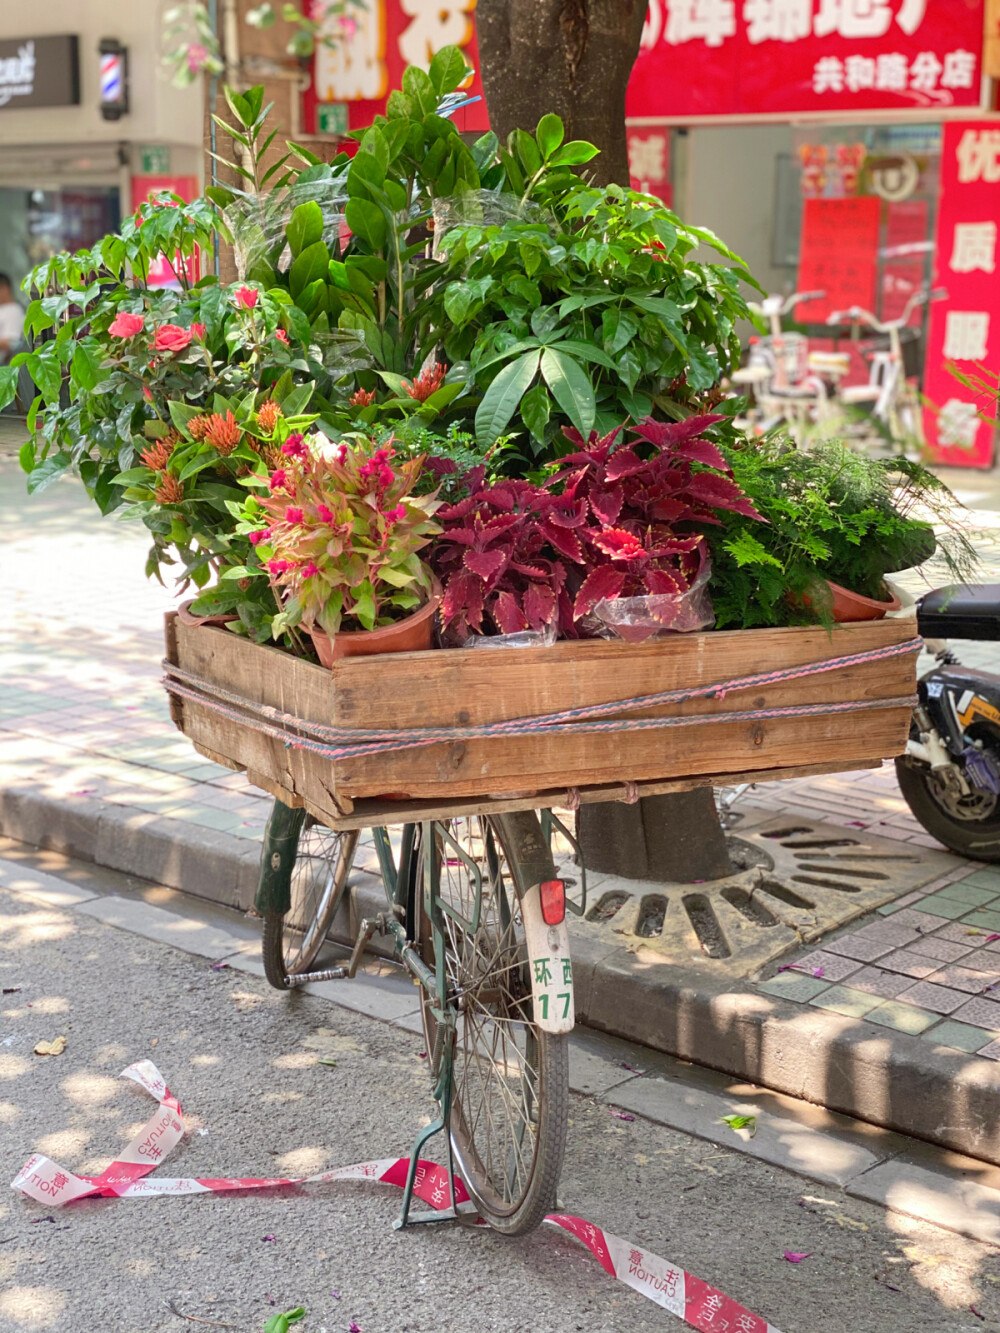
787	386
476	915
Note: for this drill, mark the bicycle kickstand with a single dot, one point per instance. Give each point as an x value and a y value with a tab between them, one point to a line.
442	1094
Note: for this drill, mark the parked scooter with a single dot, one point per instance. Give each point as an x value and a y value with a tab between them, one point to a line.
950	773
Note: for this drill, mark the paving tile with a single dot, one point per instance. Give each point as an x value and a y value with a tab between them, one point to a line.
984	919
986	879
876	981
901	1017
950	908
910	964
835	968
793	986
964	892
843	1000
960	932
982	960
991	1051
850	946
963	978
960	1036
896	932
982	1013
939	999
924	922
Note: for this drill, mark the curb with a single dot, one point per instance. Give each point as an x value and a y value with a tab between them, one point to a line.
886	1078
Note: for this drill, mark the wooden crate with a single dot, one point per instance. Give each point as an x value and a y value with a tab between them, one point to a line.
479	686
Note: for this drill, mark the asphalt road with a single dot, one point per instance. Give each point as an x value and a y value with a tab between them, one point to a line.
244	1062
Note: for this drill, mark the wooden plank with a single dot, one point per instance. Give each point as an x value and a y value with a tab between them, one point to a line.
460	687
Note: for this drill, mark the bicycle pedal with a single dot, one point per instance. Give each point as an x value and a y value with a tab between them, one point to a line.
328	974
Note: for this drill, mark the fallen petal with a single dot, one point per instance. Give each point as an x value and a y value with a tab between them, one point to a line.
621	1115
219	965
267	1237
796	1256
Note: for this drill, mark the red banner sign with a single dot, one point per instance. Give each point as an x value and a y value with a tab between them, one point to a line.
739	58
368	50
964	328
838	255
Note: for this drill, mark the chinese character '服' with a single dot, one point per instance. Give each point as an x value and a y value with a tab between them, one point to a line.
966	334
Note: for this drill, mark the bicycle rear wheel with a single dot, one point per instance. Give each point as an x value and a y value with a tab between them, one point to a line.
307	866
510	1094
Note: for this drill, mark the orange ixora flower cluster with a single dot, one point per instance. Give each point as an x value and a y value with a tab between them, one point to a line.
169	490
198	426
157	454
427	382
268	415
222	432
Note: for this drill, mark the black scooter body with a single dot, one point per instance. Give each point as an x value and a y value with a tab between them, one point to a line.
958	697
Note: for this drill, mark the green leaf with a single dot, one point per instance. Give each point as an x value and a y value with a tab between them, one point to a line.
84	368
241	572
574	154
447	70
549	134
536	408
181	414
376	143
419	89
47	472
501	399
8	384
741	1122
571	388
311	264
305	227
298	400
366	220
617	330
747	550
280	1323
26	455
365	170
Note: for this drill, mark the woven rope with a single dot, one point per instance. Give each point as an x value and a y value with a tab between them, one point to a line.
347	743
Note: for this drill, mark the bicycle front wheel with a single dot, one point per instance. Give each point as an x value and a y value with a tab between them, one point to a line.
510	1088
314	862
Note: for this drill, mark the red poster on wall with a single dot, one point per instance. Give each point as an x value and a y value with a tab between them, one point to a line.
838	255
161	272
965	327
737	58
370	47
649	163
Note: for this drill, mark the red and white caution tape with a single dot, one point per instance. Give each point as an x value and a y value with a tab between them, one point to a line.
659	1280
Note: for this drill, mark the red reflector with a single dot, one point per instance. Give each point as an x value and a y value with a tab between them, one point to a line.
553	894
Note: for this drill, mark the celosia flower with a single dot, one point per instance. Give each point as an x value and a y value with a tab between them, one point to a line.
268	415
396	515
246	297
125	325
293	515
279	479
261	535
198	427
363	398
282	337
279	566
223	433
294	446
427	382
171	338
169	490
325	514
308	570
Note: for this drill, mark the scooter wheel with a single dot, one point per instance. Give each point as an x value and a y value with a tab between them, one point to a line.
974	836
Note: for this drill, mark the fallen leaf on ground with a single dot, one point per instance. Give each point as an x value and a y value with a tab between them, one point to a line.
796	1256
51	1047
279	1323
153	1041
11	990
331	1063
741	1122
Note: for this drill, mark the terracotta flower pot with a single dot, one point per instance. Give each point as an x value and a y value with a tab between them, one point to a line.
413	634
851	606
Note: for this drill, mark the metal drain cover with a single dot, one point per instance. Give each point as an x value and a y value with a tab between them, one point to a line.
795	882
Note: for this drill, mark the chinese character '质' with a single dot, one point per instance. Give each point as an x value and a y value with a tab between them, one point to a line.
777	20
710	21
958	424
853	18
974	247
966	334
978	156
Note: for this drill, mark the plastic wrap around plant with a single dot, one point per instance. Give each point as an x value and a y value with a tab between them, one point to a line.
258	221
525	638
636	619
483	208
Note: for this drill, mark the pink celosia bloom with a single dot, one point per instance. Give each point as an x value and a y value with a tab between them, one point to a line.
397	514
279	566
308	570
125	325
294	446
259	536
279	479
246	297
293	515
325	513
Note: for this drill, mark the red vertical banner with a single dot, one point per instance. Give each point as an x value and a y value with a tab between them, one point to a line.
649	163
838	255
163	273
965	327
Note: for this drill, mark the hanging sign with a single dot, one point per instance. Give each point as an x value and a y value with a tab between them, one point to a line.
39	71
965	327
745	58
367	51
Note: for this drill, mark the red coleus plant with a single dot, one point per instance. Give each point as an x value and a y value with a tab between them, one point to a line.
612	522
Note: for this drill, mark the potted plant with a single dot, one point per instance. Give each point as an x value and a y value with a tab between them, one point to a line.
341	541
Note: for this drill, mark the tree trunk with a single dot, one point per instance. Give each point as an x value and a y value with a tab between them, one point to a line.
573	57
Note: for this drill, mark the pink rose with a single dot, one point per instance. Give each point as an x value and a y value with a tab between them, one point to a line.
281	335
171	338
246	297
197	330
125	325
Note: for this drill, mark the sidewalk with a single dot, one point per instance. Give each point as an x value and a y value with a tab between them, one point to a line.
91	765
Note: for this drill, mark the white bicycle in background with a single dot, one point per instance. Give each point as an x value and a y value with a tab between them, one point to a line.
886	411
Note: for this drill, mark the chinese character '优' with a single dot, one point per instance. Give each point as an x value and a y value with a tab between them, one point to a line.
978	155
